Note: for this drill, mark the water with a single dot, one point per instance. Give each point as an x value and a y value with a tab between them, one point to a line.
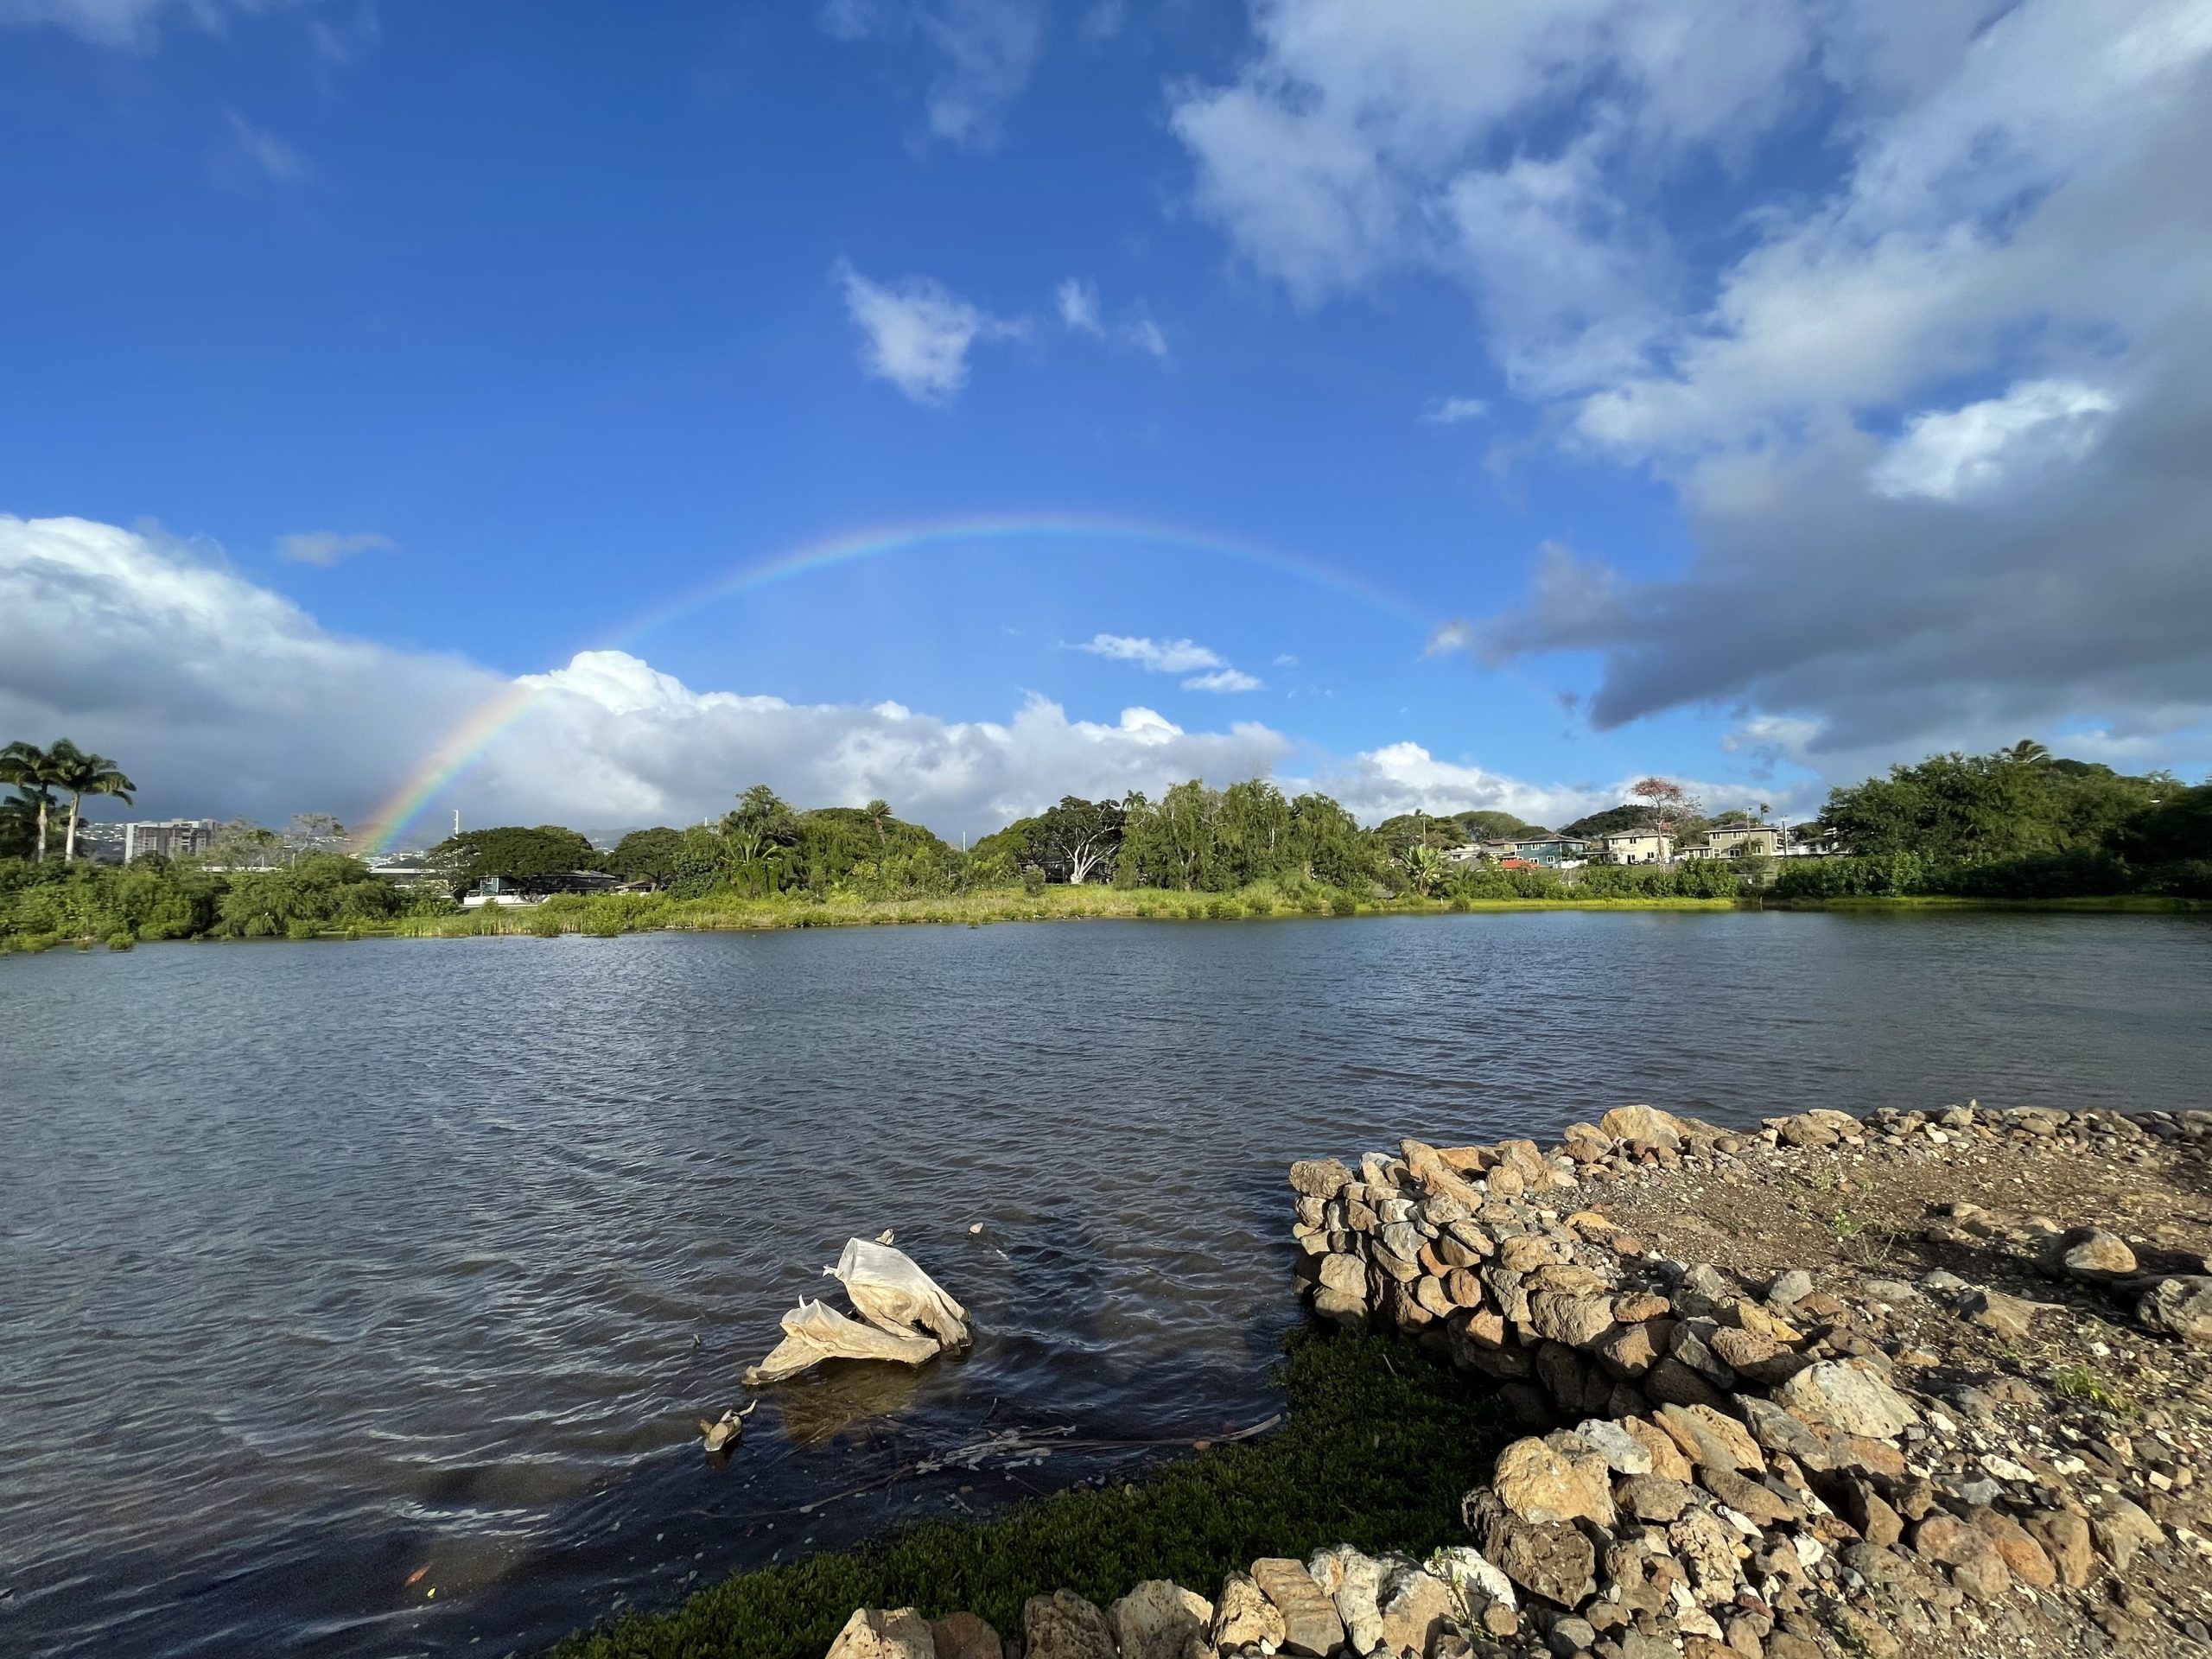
324	1267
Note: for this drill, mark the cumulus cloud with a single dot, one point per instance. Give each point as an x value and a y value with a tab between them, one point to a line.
1079	302
1927	416
1223	679
917	334
222	698
981	51
1172	657
328	547
1405	778
1946	453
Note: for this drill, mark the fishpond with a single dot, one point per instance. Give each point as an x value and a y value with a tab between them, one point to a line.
362	1298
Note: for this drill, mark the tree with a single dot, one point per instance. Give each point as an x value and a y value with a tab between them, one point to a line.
1613	821
29	768
1498	826
1327	843
532	860
72	769
1666	805
242	844
19	817
313	832
1425	867
760	823
2026	753
653	856
1078	836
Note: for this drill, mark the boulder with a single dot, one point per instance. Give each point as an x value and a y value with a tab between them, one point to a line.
2180	1307
901	1633
1790	1288
1704	1544
1629	1351
1976	1565
1776	1430
963	1635
1319	1178
2029	1562
1160	1620
2092	1253
1558	1478
2121	1529
1624	1453
1711	1439
1577	1321
1643	1129
2066	1539
1346	1275
1667	1458
1063	1626
1243	1617
1310	1624
1993	1311
1416	1608
1653	1497
1849	1395
1555	1562
1673	1383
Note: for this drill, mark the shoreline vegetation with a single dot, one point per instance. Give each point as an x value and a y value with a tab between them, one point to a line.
611	915
2018	828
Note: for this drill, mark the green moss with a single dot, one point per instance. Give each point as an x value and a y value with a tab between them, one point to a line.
1378	1448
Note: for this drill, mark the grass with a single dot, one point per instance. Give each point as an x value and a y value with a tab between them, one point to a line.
2082	1382
1378	1448
2145	904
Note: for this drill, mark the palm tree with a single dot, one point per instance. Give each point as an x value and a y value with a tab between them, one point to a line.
1425	867
69	767
30	769
2027	753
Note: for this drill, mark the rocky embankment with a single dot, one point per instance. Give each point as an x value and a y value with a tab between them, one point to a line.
1916	1384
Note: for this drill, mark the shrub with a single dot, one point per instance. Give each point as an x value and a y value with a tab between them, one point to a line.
1344	905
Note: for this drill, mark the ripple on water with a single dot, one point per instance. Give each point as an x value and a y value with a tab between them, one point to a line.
329	1265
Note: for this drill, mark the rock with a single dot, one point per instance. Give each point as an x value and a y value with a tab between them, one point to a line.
1778	1431
1160	1620
1653	1497
2066	1539
1976	1567
2121	1529
1993	1311
1243	1617
1748	1497
1310	1624
1624	1453
1644	1128
2026	1558
1571	1636
901	1633
1867	1511
1319	1178
1849	1395
1473	1580
1707	1437
1559	1477
1895	1292
1629	1351
1667	1459
1762	1360
1790	1288
1673	1383
1417	1608
1554	1562
1586	1144
1352	1581
1526	1252
1344	1307
1577	1321
1347	1273
1063	1626
1435	1177
1702	1542
2179	1307
2092	1253
963	1635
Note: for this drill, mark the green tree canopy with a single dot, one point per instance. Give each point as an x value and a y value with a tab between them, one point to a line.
1496	826
532	860
1970	809
1613	821
653	856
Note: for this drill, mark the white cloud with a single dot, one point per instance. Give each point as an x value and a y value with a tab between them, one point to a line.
1144	335
981	53
1285	660
222	698
1405	777
918	333
1078	302
1947	454
1223	679
1450	411
1153	656
252	154
328	547
130	23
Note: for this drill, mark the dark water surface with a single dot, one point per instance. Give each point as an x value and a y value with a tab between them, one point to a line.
321	1264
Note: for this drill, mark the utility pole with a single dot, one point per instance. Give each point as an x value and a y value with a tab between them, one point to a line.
457	820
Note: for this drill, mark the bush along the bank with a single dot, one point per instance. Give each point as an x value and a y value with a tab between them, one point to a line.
2080	873
153	898
1376	1449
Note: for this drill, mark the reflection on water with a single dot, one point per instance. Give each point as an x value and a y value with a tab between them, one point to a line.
340	1274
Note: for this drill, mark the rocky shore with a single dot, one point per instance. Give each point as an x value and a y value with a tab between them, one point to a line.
1916	1384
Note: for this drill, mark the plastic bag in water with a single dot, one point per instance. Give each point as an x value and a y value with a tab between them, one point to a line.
813	1331
893	1294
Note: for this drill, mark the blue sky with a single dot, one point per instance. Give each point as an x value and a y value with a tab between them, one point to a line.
1758	396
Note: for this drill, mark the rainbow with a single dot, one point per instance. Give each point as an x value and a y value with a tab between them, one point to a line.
468	740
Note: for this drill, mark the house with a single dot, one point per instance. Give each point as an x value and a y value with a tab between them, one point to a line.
1555	852
1638	847
1741	839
